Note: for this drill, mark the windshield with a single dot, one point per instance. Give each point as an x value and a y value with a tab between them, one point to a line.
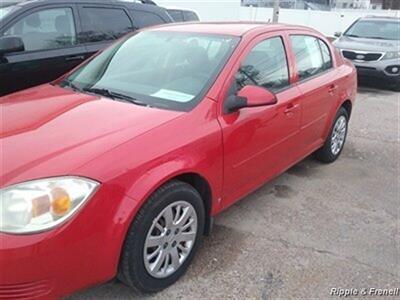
169	70
386	30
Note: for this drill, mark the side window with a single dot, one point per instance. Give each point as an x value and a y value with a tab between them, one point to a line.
47	29
145	19
101	24
176	15
266	66
308	55
326	55
190	16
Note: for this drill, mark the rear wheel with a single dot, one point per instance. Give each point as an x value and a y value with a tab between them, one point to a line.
333	145
163	238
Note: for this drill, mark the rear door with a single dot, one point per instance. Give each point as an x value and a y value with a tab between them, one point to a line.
317	80
51	47
102	24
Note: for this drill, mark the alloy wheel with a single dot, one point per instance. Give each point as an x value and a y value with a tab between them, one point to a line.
170	239
338	135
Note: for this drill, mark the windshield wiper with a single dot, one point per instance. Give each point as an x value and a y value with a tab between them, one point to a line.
68	83
114	95
352	35
375	37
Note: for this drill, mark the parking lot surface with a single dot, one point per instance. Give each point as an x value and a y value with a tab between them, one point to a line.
313	228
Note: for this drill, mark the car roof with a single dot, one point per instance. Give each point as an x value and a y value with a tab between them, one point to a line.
8	3
126	3
381	18
226	28
178	8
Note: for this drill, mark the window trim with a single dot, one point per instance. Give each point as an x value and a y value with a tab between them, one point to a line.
320	51
28	12
82	6
329	51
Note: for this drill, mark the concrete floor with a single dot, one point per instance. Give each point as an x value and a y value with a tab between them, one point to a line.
314	228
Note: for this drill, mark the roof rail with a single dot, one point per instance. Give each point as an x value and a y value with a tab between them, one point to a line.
148	2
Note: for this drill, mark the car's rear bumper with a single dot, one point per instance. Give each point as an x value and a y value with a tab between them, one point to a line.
82	252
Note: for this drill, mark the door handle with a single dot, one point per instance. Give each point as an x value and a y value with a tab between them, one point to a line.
290	108
76	57
332	88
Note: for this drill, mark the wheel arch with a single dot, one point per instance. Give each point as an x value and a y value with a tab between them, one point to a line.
160	176
200	184
348	106
147	187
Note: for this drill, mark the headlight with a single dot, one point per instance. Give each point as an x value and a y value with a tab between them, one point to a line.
392	55
39	205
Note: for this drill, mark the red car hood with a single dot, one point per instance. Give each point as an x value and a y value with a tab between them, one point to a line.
49	131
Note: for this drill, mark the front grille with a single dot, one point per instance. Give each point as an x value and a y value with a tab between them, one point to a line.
353	55
27	290
365	68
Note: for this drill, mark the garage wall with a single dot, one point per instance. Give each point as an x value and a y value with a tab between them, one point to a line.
327	22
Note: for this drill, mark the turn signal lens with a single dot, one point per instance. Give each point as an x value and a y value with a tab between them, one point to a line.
61	202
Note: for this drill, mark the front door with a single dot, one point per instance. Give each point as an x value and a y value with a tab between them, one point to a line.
260	142
51	48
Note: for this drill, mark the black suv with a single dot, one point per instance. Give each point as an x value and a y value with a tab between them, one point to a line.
43	39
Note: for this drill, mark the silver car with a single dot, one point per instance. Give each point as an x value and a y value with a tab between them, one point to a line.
373	45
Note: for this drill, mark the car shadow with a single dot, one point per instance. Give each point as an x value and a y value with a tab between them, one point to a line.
367	85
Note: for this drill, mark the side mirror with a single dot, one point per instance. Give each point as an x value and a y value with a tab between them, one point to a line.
337	34
249	96
10	44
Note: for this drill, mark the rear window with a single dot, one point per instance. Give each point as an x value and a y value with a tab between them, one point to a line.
101	24
176	15
144	18
190	16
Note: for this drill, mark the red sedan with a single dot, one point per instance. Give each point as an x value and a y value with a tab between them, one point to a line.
118	168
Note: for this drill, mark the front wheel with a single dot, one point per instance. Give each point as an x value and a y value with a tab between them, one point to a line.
163	238
333	145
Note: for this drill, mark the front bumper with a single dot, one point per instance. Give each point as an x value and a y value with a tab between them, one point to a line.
379	69
81	252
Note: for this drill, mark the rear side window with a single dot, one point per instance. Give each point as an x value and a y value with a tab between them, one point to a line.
265	66
176	15
46	29
190	16
312	55
101	24
144	18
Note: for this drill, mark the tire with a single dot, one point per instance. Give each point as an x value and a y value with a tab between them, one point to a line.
134	269
327	153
